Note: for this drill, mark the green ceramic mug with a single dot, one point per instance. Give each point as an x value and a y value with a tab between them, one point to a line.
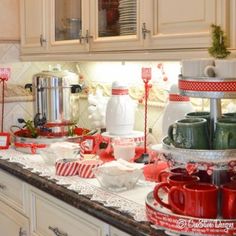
229	115
189	133
225	134
200	114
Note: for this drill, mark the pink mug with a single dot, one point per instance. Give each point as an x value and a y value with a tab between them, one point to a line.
228	200
173	180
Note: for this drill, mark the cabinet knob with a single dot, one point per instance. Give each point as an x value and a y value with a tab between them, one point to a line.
22	232
42	40
86	37
3	187
57	232
145	31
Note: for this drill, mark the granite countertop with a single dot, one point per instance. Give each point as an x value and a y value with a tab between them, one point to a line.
113	217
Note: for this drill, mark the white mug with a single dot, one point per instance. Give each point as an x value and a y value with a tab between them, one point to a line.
195	67
223	69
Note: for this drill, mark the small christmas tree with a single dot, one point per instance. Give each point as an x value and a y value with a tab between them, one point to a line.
218	48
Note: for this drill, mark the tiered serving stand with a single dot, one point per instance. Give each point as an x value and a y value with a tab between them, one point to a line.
216	161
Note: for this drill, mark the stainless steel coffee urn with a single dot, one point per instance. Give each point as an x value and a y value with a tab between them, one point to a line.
52	91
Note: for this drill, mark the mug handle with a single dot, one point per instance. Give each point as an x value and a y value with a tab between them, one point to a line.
163	174
170	133
209	71
156	193
176	206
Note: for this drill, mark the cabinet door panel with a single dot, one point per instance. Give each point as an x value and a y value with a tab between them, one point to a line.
11	190
9	18
68	21
49	216
116	232
115	25
11	222
33	25
185	23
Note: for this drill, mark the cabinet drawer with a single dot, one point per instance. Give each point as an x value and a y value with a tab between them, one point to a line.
116	232
11	190
12	223
55	216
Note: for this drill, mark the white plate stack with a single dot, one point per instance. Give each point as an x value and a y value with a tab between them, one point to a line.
128	17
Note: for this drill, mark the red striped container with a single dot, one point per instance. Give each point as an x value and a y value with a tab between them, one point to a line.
86	166
67	167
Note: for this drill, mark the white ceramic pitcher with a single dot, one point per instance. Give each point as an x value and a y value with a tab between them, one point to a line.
120	111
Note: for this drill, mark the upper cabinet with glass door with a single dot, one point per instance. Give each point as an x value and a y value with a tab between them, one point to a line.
68	23
85	26
53	25
115	25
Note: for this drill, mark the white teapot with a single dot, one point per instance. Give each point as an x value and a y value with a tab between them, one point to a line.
120	111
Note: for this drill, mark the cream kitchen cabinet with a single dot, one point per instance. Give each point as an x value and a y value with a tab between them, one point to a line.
9	18
12	191
51	216
28	211
184	23
12	223
119	26
13	220
47	26
163	24
116	232
33	26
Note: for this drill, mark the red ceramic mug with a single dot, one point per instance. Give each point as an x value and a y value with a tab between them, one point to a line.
152	171
233	178
228	201
202	174
173	180
199	200
163	175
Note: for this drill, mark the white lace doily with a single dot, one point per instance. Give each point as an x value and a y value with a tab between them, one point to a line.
130	201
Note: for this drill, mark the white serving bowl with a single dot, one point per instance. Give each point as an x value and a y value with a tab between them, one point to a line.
117	179
48	155
65	150
59	150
